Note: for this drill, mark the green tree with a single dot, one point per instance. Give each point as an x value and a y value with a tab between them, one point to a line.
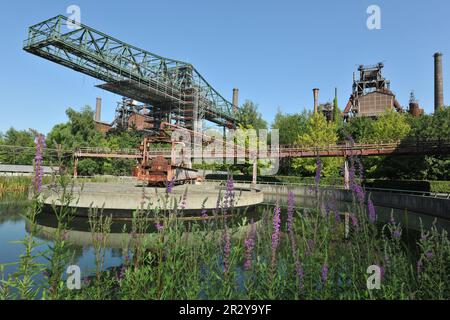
390	127
337	116
78	132
290	126
318	133
20	138
249	116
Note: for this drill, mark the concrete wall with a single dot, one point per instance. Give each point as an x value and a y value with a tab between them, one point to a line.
436	207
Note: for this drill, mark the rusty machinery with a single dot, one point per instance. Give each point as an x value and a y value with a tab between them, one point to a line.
371	94
159	164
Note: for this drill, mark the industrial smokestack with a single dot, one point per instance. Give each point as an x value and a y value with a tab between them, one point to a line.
98	110
438	83
316	100
235	99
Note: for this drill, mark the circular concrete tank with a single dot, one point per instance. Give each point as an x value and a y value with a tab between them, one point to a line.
122	199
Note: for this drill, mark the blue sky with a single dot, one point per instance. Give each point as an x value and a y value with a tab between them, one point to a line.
275	52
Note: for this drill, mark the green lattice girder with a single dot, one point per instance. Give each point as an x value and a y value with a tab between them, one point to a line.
122	65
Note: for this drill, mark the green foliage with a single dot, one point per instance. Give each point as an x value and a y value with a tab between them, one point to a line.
290	126
78	132
337	115
13	137
88	167
390	127
318	133
249	117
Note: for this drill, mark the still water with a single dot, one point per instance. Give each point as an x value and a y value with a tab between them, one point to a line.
13	227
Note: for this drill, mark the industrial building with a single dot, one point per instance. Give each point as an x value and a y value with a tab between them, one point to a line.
371	95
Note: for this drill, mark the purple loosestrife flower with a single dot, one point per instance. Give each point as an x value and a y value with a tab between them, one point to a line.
290	211
229	194
276	232
354	219
318	171
324	273
159	226
359	192
372	213
40	146
226	251
397	233
123	268
249	245
170	185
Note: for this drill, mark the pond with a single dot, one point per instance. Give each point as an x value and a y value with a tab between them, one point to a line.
13	227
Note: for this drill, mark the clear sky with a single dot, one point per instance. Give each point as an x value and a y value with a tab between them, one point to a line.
275	52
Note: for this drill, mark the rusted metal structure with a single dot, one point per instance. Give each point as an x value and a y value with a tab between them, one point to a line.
157	169
174	91
371	94
414	108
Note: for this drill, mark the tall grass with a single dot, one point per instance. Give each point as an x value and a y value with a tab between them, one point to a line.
289	253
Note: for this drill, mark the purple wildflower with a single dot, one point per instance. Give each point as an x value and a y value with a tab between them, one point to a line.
372	213
324	273
397	233
122	272
226	250
290	211
290	220
249	244
429	254
276	232
229	194
159	226
40	146
170	185
318	171
354	219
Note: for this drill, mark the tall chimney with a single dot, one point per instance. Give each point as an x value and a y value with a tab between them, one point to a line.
235	99
316	100
98	109
438	83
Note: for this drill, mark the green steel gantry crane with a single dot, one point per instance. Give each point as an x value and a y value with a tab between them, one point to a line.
174	90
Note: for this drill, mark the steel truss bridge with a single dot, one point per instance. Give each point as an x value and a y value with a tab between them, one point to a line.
174	90
430	147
